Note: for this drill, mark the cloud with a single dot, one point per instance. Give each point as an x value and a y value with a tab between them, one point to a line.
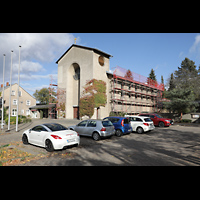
195	48
37	49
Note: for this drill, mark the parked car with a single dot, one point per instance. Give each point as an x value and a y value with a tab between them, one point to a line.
140	124
52	136
94	128
157	119
121	124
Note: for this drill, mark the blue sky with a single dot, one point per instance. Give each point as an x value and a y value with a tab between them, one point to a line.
139	52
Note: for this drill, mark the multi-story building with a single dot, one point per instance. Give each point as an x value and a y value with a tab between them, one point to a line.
25	100
128	94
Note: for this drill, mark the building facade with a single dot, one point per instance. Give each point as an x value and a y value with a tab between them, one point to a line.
25	101
125	94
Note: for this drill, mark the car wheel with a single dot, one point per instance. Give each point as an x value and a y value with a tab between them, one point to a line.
161	124
96	136
140	130
49	146
118	133
24	139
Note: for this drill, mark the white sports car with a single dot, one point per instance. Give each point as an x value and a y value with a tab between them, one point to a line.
52	136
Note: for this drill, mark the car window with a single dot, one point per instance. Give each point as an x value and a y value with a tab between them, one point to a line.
114	120
151	116
83	123
147	120
107	123
39	129
138	119
56	127
126	121
92	124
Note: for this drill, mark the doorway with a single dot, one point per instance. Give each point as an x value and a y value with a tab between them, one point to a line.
76	112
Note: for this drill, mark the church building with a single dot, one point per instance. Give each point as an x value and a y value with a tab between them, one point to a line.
76	66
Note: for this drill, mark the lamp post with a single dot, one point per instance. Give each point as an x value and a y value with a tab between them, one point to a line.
10	92
18	93
4	56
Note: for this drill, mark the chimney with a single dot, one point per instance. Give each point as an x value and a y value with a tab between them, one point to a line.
7	83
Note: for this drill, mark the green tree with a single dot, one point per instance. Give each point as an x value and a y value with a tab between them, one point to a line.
183	88
152	75
43	95
181	101
171	82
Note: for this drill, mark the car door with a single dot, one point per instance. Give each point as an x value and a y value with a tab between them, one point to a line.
34	135
90	128
81	127
133	123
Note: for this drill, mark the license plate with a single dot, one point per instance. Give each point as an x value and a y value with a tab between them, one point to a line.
71	140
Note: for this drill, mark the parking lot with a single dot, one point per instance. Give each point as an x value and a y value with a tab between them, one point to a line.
169	146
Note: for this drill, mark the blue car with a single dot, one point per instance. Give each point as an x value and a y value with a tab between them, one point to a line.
121	124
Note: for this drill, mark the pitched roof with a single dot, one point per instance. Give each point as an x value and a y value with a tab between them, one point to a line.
88	48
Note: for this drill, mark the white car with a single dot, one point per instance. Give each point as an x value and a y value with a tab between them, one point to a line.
52	136
140	124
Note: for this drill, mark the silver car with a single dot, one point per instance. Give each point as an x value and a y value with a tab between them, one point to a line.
94	128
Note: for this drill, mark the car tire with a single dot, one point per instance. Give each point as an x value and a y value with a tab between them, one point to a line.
25	139
96	136
161	124
140	130
49	145
118	133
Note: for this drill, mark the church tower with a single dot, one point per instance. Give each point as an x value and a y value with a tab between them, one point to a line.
76	66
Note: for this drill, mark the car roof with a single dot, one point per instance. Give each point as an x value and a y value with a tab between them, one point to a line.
117	117
137	116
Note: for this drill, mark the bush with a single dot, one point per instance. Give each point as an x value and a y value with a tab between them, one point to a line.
13	120
186	121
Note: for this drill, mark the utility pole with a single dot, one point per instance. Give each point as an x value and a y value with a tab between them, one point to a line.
18	93
10	93
2	124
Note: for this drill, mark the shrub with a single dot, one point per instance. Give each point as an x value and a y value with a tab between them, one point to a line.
13	120
186	121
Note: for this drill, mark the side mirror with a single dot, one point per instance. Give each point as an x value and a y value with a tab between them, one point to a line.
29	130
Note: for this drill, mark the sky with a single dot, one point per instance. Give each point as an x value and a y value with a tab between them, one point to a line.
139	52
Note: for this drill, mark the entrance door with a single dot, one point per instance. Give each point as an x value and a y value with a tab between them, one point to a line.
76	112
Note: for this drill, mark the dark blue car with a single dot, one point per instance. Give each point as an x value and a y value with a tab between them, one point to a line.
121	124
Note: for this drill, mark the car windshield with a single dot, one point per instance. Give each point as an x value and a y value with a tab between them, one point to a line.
56	127
158	116
107	123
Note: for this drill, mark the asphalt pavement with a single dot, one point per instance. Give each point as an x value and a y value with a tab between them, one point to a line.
169	146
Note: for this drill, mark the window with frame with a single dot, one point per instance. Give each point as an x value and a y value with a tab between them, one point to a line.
14	101
14	112
28	102
13	93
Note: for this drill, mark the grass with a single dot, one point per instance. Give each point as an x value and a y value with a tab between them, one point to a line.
11	155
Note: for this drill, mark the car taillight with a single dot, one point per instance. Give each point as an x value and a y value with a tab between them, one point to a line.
122	123
103	129
146	124
56	137
77	134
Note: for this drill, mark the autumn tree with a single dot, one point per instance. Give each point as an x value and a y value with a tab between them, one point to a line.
128	75
93	96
